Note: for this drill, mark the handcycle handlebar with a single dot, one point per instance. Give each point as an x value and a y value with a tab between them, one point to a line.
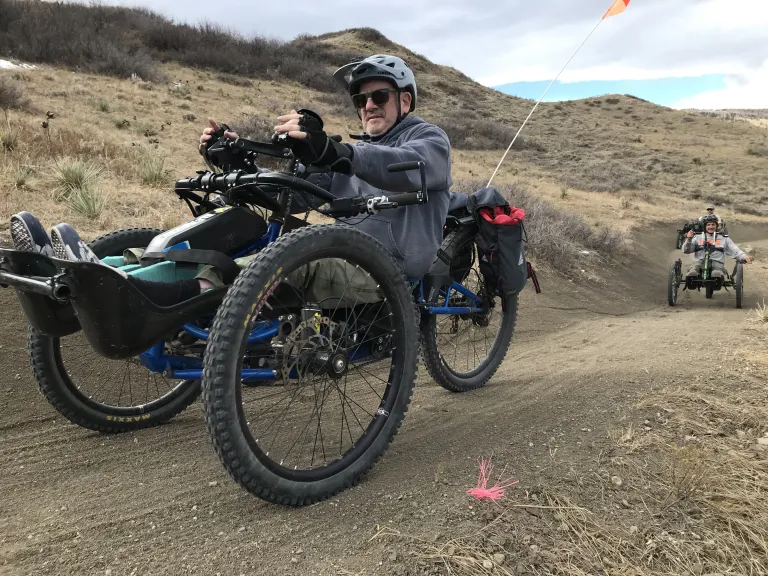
253	185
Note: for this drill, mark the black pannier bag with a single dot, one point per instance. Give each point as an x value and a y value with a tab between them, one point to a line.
500	242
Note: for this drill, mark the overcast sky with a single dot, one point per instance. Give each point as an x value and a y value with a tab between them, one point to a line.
498	42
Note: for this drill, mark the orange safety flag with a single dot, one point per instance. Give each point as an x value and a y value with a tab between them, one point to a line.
618	7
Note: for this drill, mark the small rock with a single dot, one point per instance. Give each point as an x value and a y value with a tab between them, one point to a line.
633	529
697	569
190	117
763	441
625	504
487	564
617	481
499	558
534	548
294	560
740	433
299	551
450	550
213	483
392	556
241	529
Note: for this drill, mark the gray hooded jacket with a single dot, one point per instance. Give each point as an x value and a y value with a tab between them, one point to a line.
412	234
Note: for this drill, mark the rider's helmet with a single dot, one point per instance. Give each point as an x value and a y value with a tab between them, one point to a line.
708	218
382	66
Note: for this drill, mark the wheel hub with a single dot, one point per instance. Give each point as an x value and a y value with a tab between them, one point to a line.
337	366
311	355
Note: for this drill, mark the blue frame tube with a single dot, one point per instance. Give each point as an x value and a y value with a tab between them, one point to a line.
248	374
185	368
256	335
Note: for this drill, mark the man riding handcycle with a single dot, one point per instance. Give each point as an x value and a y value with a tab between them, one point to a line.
281	330
708	270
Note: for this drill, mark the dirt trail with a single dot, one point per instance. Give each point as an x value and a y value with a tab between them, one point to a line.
76	502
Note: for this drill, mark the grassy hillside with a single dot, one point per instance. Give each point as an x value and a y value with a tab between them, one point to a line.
130	91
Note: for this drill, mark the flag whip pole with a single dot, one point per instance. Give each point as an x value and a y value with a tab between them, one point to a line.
624	3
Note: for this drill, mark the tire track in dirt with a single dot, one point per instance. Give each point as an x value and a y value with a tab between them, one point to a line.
77	502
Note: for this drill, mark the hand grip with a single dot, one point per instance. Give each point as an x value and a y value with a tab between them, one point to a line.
403	166
405	199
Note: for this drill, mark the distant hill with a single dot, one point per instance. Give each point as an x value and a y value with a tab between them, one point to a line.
609	144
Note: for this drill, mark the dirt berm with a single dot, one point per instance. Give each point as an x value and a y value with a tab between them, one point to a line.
159	502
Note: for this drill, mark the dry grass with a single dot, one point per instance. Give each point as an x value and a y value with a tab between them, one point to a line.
685	494
565	146
151	169
72	175
695	506
557	239
11	95
760	313
611	144
77	184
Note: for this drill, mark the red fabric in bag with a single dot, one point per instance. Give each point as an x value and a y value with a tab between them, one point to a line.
503	215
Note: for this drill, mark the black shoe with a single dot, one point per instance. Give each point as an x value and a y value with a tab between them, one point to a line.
28	234
67	245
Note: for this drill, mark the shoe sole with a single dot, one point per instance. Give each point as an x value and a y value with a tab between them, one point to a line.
23	236
22	239
67	245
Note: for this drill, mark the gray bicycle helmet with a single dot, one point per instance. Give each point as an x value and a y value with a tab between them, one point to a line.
382	66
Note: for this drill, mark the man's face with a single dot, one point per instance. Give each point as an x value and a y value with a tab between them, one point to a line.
711	227
379	118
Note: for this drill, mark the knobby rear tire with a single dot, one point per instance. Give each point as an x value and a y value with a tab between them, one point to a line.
63	394
433	360
672	285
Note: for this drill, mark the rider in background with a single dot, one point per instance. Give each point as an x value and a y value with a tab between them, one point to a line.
711	212
722	246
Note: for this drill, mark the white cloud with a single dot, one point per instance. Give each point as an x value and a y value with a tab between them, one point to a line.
649	40
522	40
740	92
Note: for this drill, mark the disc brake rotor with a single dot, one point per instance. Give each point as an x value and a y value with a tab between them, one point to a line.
311	354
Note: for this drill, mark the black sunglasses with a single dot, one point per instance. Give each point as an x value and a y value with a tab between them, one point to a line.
379	97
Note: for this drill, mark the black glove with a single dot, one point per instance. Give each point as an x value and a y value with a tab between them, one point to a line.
215	137
317	148
218	154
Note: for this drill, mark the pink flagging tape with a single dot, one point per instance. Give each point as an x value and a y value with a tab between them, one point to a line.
495	492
